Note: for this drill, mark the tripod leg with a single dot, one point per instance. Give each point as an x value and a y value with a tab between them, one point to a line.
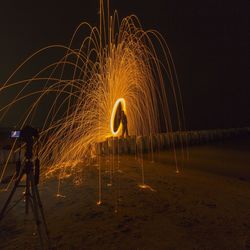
11	195
35	210
41	210
27	193
36	217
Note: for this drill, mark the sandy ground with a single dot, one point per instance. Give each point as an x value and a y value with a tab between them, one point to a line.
205	206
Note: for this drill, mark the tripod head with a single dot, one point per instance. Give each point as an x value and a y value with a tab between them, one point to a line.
28	134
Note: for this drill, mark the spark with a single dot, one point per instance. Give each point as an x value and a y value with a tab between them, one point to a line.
117	63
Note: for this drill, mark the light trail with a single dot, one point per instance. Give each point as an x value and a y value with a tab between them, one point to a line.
112	119
117	63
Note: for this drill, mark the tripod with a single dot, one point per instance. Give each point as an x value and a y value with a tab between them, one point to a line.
32	197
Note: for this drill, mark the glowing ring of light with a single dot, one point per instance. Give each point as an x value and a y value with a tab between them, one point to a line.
118	101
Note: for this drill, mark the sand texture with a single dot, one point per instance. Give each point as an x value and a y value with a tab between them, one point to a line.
205	206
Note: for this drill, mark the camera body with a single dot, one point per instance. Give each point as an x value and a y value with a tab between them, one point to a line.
28	134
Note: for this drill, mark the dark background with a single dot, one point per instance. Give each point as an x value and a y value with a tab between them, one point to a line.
208	40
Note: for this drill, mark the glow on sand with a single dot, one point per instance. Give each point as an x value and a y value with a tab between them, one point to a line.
118	62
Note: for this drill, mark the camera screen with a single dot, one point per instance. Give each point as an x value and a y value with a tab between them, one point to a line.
15	134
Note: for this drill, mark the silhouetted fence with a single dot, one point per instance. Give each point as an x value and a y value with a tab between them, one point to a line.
143	144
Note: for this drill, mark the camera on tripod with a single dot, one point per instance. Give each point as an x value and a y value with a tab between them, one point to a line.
31	170
28	135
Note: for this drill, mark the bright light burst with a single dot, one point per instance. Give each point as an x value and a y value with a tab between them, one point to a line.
120	101
118	62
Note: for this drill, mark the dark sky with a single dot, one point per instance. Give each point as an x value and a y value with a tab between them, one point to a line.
208	39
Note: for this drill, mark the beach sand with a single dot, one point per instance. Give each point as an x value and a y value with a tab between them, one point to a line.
205	206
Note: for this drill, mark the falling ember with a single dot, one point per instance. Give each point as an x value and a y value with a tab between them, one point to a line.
118	65
98	203
143	186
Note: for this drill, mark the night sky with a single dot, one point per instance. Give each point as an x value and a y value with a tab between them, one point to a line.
208	39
